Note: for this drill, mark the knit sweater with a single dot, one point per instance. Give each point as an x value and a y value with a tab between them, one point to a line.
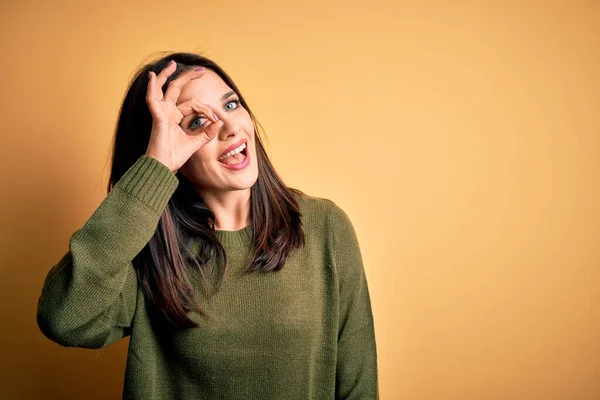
304	332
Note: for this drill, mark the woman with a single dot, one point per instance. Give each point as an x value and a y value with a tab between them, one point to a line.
230	284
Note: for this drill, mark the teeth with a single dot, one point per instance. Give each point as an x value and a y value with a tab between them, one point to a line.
233	152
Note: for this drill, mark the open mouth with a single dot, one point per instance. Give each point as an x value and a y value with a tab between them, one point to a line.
235	156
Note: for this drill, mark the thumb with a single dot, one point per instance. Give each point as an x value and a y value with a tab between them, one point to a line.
196	142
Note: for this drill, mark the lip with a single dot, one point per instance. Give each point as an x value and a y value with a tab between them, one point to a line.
232	147
240	166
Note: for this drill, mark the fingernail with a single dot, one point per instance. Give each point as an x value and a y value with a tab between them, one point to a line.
172	62
199	69
215	116
149	74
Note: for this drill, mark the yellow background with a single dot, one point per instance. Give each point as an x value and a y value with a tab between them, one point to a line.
462	138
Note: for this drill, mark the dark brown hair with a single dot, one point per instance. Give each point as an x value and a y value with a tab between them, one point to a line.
164	265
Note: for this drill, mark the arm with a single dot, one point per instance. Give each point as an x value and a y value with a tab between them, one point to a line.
356	370
89	297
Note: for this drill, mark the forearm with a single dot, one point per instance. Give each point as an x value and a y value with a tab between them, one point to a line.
90	295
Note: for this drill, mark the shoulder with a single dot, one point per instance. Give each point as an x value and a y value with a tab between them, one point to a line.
328	228
322	214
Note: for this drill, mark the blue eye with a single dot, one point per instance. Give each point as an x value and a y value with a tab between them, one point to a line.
232	105
196	123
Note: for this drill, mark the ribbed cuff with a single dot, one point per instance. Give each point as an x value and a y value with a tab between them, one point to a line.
150	181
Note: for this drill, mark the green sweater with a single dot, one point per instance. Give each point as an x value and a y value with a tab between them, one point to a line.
304	332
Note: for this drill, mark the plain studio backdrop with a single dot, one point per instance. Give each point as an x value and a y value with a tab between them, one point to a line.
462	138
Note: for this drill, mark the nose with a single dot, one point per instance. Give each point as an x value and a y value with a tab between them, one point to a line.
228	128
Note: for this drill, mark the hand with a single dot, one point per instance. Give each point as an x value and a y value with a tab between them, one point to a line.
169	144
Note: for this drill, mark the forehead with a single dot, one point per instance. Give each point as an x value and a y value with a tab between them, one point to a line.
208	88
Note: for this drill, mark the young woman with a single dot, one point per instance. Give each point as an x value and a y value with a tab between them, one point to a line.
230	284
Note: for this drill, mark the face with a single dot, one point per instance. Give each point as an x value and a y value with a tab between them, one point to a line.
223	164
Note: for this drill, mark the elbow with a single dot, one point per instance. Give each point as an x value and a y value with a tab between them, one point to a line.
50	327
66	334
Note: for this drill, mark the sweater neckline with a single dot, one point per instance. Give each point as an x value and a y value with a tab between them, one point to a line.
235	238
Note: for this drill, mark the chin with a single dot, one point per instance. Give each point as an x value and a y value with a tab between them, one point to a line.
244	183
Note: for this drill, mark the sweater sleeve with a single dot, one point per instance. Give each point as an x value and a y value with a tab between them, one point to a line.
89	297
356	369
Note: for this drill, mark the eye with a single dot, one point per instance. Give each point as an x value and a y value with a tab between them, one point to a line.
232	105
197	122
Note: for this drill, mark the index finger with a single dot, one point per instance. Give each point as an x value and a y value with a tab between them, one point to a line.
174	89
192	106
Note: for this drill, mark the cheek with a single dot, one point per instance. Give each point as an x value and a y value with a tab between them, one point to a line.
202	161
201	156
246	123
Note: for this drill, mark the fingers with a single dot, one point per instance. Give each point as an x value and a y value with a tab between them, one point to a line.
192	106
156	82
152	94
192	109
174	88
165	73
206	135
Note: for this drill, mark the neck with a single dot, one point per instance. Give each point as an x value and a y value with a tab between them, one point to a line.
231	208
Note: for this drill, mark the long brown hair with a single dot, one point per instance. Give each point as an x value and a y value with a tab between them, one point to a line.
165	264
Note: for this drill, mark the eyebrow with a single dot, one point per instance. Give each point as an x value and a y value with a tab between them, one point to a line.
228	94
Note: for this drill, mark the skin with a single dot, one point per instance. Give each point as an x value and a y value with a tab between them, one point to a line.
198	119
